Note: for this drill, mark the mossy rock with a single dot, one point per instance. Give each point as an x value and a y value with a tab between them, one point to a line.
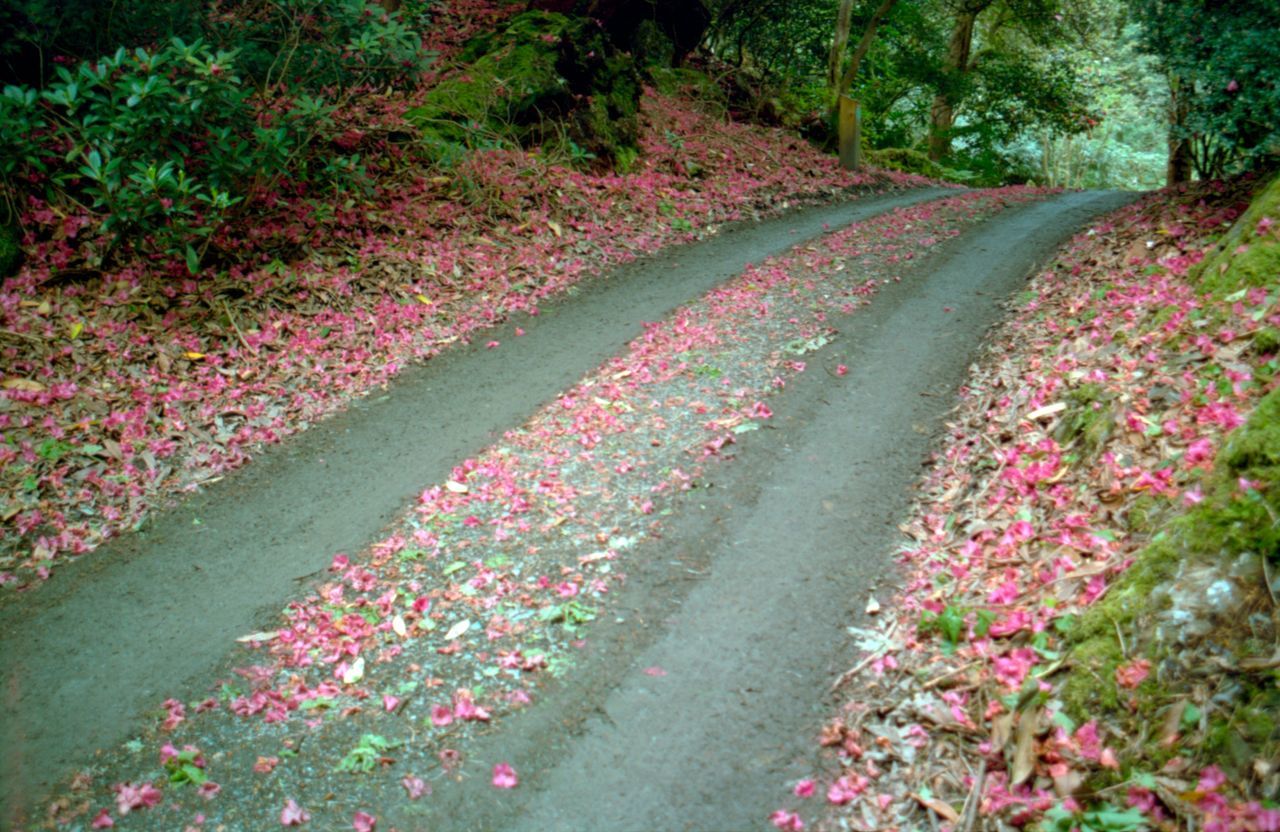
542	77
1249	254
908	161
10	250
1090	418
1232	526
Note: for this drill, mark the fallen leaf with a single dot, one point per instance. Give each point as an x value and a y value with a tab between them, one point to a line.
22	384
943	810
1024	753
457	630
1047	410
456	487
258	638
355	672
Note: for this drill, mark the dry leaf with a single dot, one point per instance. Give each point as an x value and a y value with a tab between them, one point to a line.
23	384
1024	754
942	810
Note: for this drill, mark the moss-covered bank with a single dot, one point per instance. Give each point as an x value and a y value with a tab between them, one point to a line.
543	78
1199	601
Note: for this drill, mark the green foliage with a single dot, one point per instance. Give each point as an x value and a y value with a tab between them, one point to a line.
365	756
185	767
161	144
1222	58
1103	818
322	44
953	624
908	161
10	250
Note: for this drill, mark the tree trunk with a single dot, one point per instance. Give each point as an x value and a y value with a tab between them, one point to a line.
1181	159
844	20
840	83
942	114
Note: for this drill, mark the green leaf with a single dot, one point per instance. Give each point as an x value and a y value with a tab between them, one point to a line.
193	261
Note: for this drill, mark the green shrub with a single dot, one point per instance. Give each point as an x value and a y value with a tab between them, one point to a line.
160	145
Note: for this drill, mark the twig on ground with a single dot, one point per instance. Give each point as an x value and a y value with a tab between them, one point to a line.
969	816
232	318
862	665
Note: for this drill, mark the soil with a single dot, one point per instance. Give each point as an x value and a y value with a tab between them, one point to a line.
151	614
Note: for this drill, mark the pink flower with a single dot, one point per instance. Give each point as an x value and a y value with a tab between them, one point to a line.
130	797
493	345
842	370
340	562
441	716
1212	779
786	821
363	822
804	788
1131	675
293	815
1232	86
504	777
415	786
264	765
102	820
1011	669
846	789
208	790
390	702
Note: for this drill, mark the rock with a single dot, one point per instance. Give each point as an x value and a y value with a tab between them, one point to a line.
542	77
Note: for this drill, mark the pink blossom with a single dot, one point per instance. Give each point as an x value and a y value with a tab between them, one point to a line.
208	790
363	822
102	820
415	786
293	815
1131	675
130	797
786	821
845	789
504	777
441	716
804	788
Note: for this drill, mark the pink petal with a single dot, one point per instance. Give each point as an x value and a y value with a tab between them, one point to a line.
293	815
363	822
504	777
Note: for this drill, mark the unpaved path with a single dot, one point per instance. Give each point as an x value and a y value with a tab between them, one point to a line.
151	614
745	606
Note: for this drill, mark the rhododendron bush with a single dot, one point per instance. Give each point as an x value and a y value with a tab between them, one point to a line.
1031	671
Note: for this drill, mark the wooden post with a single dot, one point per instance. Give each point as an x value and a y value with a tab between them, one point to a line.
850	133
